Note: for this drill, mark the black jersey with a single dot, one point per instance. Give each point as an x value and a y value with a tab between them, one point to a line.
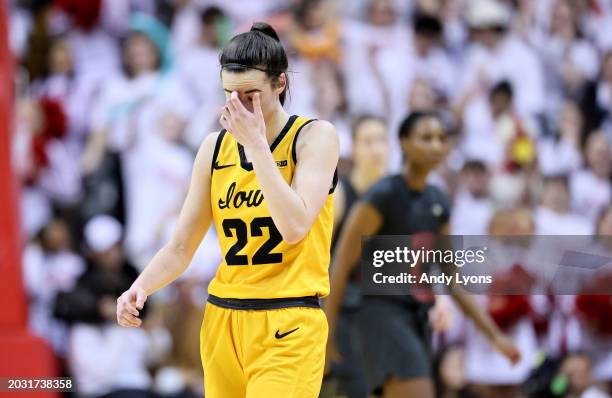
352	294
406	211
350	197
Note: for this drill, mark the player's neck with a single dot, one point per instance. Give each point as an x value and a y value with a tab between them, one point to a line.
415	177
362	178
275	123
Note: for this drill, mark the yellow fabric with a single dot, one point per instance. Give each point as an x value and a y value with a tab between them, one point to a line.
243	358
268	266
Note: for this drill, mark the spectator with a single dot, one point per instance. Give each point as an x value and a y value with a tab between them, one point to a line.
597	99
577	370
590	187
126	122
493	56
370	153
560	153
490	373
553	216
473	206
51	267
105	359
203	55
569	59
365	44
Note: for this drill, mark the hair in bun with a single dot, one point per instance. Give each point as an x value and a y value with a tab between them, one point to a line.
266	29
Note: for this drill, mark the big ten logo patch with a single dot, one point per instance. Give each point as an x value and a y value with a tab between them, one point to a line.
281	163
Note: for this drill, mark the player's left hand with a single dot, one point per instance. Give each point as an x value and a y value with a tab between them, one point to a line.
507	348
248	128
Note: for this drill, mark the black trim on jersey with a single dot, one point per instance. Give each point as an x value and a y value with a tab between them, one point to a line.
283	132
334	182
294	155
295	137
248	166
217	148
264	304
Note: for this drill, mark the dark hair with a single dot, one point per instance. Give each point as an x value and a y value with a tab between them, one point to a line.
556	178
475	165
360	119
504	88
210	15
427	25
301	10
259	49
410	122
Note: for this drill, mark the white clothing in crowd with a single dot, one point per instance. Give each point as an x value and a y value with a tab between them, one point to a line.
44	276
106	358
589	194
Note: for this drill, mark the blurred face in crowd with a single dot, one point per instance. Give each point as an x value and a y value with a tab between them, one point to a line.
381	13
570	120
501	223
109	260
475	179
140	55
423	96
209	35
523	223
604	226
313	17
562	21
171	126
209	32
371	145
500	103
512	222
577	368
426	145
56	236
606	69
488	36
328	85
597	154
555	195
425	42
252	81
60	61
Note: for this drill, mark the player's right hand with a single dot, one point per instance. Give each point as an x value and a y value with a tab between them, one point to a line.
507	348
128	306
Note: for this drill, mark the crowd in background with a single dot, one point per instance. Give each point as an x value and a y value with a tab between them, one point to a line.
114	97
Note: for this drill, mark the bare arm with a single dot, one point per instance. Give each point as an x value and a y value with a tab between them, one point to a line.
339	205
485	324
293	208
93	152
363	220
174	257
481	318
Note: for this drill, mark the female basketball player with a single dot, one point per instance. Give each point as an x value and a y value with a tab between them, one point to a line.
394	330
265	181
370	155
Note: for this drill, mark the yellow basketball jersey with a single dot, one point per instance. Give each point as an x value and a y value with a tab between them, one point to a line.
257	263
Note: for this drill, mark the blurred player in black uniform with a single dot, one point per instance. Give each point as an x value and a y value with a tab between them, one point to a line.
394	330
370	156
